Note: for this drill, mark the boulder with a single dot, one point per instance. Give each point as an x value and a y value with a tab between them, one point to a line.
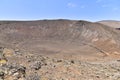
8	52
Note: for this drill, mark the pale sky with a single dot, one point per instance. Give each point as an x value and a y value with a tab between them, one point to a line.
92	10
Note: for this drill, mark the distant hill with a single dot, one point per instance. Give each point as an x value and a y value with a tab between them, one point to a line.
111	23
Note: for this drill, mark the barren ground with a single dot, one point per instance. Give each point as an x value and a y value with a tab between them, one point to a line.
58	50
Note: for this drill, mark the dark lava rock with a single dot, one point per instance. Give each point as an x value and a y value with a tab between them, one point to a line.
1	75
15	70
33	76
37	65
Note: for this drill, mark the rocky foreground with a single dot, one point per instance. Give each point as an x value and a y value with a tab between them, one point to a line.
16	66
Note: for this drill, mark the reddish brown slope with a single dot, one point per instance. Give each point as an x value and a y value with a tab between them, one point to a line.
60	36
